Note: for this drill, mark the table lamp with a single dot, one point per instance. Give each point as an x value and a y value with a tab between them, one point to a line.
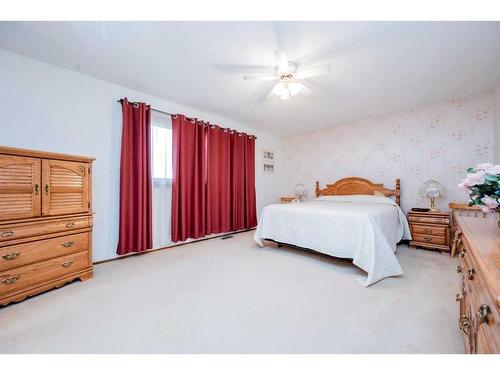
432	189
300	190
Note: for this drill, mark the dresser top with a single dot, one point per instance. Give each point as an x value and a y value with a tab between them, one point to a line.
483	235
44	155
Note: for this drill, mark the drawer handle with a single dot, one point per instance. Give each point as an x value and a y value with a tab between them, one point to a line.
470	274
11	280
37	189
46	189
427	231
459	269
7	234
458	298
68	243
11	255
70	225
482	314
67	264
428	239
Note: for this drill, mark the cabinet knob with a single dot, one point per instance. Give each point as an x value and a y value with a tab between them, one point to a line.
482	313
470	274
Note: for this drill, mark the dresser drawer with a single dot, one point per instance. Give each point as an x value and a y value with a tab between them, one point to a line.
19	255
427	219
35	274
29	229
430	239
433	230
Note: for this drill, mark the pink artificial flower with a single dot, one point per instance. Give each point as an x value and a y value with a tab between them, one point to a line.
490	202
489	168
475	178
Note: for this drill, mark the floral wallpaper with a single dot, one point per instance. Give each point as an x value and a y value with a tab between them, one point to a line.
436	142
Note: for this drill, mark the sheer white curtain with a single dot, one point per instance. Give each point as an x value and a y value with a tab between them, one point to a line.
161	149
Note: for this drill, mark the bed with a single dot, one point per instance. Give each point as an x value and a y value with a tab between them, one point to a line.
352	218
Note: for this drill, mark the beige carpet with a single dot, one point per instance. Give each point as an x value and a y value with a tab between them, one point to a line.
229	296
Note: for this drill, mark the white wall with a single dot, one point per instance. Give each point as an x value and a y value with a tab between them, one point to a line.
435	142
496	105
48	108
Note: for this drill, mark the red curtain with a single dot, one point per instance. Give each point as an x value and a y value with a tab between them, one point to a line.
218	180
135	230
250	199
189	175
213	183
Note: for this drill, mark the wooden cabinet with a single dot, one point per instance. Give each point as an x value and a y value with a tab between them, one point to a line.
45	221
479	285
430	230
20	179
65	187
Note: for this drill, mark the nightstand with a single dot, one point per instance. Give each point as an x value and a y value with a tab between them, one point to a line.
430	230
290	200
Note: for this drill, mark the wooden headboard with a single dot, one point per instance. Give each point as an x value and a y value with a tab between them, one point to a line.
358	185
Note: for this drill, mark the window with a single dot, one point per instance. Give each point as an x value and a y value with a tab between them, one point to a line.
161	148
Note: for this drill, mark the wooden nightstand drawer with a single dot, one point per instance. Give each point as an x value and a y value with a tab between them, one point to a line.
433	230
427	238
432	220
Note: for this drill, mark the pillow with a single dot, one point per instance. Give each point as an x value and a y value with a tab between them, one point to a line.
357	198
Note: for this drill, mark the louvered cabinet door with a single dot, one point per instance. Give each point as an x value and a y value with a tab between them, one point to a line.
19	187
65	187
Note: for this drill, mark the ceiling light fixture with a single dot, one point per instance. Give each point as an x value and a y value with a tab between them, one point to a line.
290	77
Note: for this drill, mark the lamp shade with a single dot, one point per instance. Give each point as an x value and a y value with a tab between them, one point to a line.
431	189
300	189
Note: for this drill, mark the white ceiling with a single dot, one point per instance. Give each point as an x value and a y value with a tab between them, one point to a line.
377	67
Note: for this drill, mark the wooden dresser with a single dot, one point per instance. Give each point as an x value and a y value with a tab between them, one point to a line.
430	230
45	221
479	295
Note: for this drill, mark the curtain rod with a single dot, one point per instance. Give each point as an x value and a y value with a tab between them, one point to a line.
170	114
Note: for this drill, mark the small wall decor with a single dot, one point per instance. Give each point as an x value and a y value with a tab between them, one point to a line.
268	158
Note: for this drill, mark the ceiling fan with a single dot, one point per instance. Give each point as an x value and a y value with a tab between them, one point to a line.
289	74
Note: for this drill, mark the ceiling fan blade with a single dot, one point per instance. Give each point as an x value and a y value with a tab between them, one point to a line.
313	72
282	61
260	77
304	90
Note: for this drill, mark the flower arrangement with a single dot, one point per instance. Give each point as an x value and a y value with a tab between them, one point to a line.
483	186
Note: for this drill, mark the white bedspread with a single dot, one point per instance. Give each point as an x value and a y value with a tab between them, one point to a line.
364	228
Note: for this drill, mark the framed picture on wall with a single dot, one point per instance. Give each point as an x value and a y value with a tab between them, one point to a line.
268	155
268	159
268	168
